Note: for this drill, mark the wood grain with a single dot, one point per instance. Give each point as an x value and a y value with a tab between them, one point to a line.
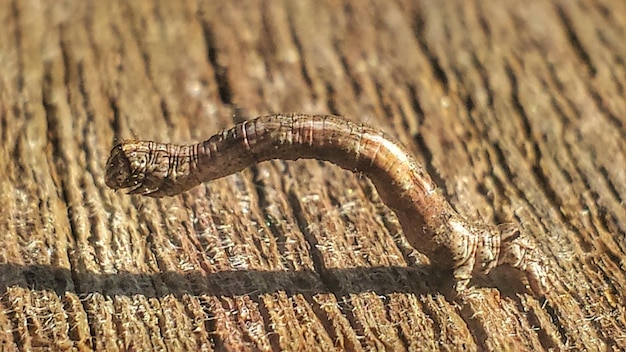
517	112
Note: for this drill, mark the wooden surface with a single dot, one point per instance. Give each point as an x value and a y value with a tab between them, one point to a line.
518	112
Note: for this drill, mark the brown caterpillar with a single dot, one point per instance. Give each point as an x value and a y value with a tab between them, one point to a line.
427	219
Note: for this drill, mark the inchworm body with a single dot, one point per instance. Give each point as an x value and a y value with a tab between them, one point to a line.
429	222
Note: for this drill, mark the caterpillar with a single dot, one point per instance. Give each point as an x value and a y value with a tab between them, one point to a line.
428	221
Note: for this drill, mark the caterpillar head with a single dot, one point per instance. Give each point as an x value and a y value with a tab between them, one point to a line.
139	166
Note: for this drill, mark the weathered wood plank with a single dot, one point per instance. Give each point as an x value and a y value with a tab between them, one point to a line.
518	113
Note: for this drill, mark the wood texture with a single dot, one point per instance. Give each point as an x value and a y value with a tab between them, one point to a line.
518	113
